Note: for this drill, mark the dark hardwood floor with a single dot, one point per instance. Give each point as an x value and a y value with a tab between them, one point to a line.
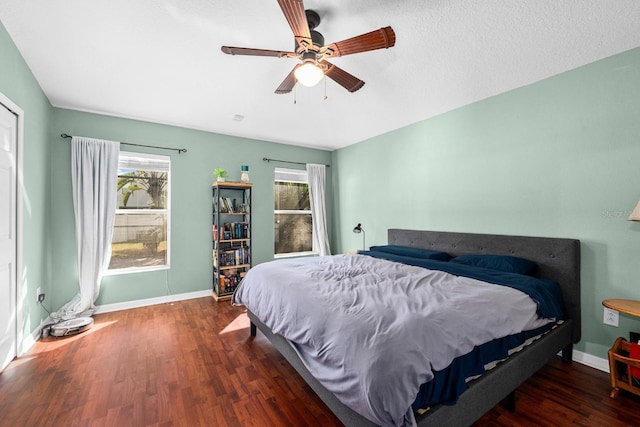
192	363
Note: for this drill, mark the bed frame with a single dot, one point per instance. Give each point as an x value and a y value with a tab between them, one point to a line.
558	259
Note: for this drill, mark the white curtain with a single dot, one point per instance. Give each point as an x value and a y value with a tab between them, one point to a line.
316	176
94	171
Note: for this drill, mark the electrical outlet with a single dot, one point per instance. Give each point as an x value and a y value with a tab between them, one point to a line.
39	296
611	317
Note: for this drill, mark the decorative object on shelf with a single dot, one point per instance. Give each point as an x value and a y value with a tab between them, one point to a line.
635	214
358	229
220	174
244	173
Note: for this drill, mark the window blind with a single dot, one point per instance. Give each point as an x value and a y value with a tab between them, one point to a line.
291	175
147	162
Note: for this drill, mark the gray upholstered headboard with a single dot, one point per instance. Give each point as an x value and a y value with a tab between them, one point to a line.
558	259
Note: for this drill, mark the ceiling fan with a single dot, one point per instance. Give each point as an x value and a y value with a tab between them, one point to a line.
313	54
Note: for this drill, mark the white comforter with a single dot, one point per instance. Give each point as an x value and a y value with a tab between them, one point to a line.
372	331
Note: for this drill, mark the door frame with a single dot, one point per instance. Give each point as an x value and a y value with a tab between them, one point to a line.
7	103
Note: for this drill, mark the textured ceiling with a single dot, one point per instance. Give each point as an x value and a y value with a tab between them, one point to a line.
160	60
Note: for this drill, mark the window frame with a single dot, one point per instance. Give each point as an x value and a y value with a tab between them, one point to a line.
131	156
295	173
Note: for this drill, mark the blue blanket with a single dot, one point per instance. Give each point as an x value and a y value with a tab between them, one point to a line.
546	293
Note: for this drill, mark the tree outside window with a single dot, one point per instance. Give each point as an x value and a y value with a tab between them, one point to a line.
141	236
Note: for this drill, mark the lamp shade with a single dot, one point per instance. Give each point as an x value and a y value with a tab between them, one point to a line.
635	215
308	74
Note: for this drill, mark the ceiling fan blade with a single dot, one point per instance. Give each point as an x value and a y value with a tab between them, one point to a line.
383	38
294	13
344	79
288	83
230	50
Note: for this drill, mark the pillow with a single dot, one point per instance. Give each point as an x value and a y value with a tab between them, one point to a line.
412	252
508	264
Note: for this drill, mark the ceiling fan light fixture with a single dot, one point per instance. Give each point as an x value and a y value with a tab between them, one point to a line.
308	74
310	49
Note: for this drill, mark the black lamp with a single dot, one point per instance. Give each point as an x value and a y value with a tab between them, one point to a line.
358	229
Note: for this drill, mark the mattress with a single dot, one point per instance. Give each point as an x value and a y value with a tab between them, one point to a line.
448	384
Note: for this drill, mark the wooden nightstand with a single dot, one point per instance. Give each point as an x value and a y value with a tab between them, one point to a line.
626	306
620	363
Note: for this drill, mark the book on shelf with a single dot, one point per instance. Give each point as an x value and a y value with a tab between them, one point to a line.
223	205
238	256
229	204
242	255
236	230
229	282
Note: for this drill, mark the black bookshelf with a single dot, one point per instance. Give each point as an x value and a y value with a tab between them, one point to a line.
231	235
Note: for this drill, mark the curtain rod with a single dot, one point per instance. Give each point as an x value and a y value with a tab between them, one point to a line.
179	150
286	161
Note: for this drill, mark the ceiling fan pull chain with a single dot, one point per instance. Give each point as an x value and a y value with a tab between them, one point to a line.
294	95
325	88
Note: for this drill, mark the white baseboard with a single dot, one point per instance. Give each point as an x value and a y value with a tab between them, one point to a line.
107	308
32	338
591	361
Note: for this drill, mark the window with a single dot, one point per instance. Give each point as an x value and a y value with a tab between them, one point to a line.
293	231
141	231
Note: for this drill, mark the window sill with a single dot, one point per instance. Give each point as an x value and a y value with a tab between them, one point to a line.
120	271
295	255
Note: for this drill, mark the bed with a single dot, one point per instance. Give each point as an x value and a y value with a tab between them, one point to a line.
557	259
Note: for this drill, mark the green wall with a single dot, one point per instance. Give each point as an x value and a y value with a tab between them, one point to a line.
557	158
18	84
191	178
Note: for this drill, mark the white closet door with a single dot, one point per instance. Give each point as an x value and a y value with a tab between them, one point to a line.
8	241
